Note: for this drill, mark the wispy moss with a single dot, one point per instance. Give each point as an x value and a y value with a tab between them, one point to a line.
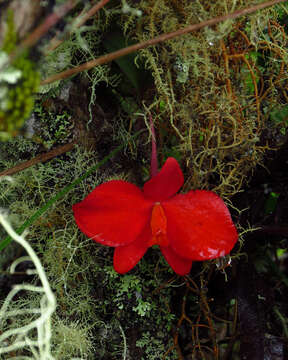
203	79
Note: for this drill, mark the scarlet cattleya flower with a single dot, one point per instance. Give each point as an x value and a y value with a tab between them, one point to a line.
187	227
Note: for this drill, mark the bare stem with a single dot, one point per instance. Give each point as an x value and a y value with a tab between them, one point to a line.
39	158
142	45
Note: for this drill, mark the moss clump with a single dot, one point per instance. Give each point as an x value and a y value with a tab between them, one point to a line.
51	128
17	91
71	338
217	86
10	39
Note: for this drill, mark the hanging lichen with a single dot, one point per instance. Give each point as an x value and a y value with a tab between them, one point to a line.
216	87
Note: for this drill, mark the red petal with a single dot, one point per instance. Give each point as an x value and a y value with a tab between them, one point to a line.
126	257
199	225
166	183
114	213
180	265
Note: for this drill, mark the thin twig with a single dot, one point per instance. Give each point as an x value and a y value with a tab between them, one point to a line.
142	45
39	158
94	9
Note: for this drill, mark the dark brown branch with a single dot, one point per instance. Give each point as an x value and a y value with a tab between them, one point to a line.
114	55
39	158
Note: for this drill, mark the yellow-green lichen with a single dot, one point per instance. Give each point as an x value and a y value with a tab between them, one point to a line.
214	83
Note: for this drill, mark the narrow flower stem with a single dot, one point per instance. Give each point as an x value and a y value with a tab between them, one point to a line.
154	161
94	9
122	52
40	158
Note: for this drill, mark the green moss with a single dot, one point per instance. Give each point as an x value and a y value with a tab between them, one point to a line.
154	347
17	101
51	128
212	106
72	338
10	40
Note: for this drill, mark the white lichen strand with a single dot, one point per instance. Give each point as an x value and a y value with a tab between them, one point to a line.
19	338
127	9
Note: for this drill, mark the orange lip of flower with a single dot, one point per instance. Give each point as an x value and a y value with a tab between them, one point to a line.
187	227
158	225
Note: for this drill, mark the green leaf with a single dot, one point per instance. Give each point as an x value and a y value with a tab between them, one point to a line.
271	202
280	114
115	41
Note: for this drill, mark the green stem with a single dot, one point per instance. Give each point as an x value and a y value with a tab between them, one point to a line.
283	321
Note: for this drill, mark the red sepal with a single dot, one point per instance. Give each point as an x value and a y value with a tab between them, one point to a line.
180	265
126	257
166	183
114	213
199	225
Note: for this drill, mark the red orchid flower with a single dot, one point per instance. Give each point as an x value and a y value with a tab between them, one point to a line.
187	227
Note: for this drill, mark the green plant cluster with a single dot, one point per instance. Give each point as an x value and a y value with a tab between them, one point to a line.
17	100
51	128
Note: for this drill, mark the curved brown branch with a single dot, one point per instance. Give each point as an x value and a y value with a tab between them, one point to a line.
39	158
116	54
